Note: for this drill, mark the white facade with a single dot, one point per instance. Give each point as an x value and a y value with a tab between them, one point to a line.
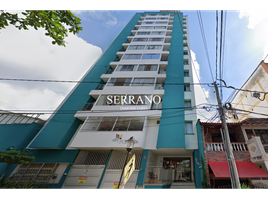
144	77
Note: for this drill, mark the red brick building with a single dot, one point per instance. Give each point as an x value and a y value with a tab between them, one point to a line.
217	169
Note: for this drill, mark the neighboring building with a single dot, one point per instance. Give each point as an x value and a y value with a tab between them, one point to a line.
249	102
149	59
16	131
217	170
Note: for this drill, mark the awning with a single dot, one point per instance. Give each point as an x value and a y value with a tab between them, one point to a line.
244	169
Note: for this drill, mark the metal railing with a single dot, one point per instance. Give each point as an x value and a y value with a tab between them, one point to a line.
236	146
87	106
100	86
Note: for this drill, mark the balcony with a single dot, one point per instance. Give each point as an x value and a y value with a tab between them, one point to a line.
87	106
257	150
220	147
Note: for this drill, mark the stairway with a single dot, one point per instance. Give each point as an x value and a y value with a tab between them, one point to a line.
182	185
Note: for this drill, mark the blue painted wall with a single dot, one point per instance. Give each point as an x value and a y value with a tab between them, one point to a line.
141	175
18	136
172	123
60	129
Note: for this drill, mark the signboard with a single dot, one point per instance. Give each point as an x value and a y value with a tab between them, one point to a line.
130	167
82	179
116	185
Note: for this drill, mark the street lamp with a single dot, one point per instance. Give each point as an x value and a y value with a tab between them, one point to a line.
130	144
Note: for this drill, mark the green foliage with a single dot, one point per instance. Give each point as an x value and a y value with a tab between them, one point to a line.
14	157
9	183
245	186
204	182
57	23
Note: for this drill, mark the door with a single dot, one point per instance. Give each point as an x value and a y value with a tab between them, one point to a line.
181	167
83	176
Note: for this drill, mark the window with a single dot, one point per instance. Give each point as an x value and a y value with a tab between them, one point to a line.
126	67
119	82
161	22
146	27
186	73
160	27
158	33
132	56
216	137
187	104
185	44
136	47
107	124
153	47
147	22
144	33
186	87
150	56
122	124
188	127
147	67
263	134
118	123
186	62
139	39
156	39
150	18
184	27
185	52
143	82
136	124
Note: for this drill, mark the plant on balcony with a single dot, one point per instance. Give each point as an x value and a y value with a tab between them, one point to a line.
245	186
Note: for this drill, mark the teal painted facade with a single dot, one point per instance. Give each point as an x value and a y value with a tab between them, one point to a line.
143	164
172	124
104	170
157	186
17	136
60	129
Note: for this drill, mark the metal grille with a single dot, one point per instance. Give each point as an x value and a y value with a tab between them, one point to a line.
35	172
94	157
118	158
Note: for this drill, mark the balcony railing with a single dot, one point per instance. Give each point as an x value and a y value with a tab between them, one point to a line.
220	147
99	86
158	175
109	71
159	86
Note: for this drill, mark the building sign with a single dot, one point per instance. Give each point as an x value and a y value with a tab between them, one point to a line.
130	167
82	179
115	186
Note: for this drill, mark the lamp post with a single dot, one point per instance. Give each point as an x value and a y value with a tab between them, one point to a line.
130	144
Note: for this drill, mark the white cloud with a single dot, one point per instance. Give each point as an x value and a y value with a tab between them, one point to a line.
201	95
105	17
257	22
31	55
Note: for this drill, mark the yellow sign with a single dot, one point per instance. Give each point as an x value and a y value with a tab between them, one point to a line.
116	185
82	179
130	167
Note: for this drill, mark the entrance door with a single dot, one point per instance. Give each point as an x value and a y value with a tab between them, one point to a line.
181	166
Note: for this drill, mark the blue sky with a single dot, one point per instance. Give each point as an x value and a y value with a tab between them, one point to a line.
243	47
30	54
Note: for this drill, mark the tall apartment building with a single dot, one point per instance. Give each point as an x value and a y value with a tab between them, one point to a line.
141	86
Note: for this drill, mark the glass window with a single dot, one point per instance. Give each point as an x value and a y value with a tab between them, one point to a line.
147	67
147	22
136	47
126	67
185	62
153	47
101	100
249	133
160	27
122	124
91	124
188	127
186	87
144	33
186	73
140	40
187	104
111	81
156	39
107	124
158	33
161	22
136	124
185	52
143	82
146	27
132	56
263	134
150	56
150	18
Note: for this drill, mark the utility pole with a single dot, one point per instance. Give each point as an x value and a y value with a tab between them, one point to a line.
229	152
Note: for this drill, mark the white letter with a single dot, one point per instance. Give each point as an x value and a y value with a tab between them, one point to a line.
158	97
150	100
131	99
111	101
139	99
123	99
116	98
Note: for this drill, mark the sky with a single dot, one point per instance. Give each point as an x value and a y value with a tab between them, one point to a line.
30	55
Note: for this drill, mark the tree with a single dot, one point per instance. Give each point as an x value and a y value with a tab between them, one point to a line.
14	157
57	23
